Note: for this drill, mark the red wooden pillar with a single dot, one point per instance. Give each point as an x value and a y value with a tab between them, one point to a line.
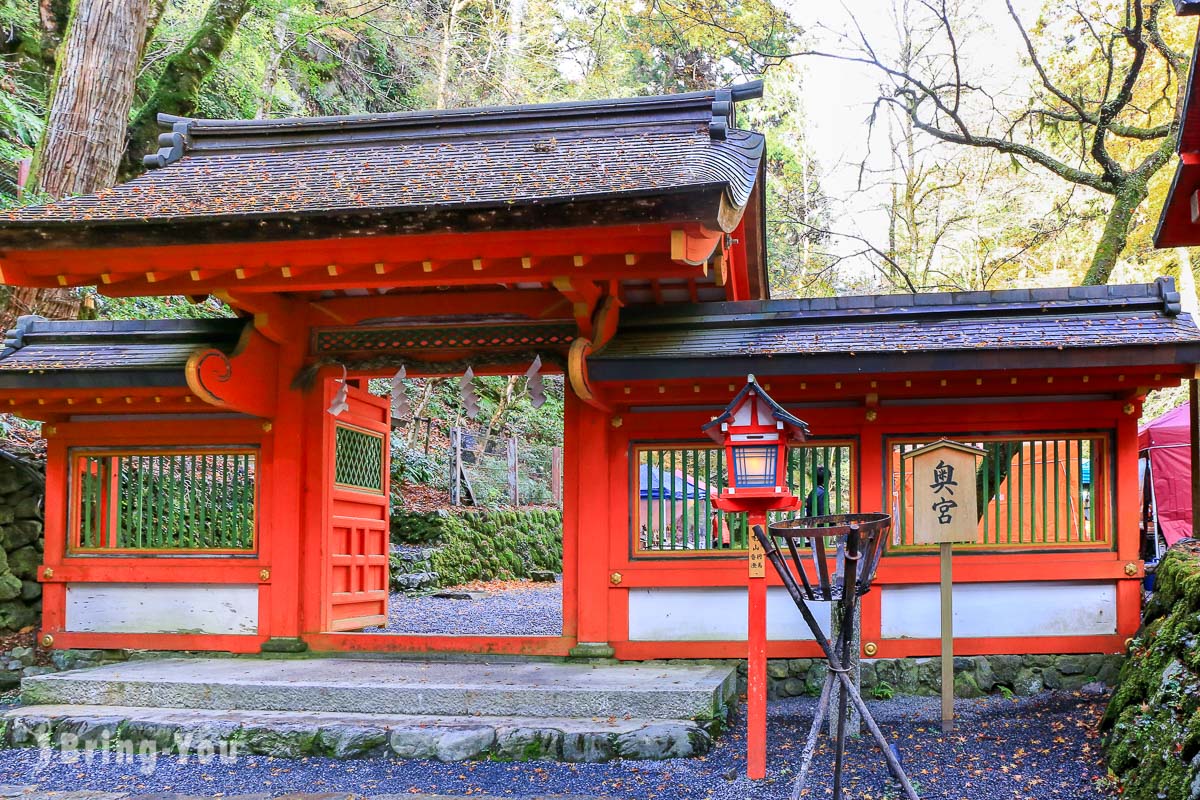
54	526
874	495
283	534
588	461
756	668
1129	590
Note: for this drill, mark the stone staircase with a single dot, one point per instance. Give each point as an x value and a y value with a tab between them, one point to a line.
359	708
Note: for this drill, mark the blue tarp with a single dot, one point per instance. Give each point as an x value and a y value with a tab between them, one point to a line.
661	485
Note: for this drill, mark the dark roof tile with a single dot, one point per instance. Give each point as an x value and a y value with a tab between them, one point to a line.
694	339
413	162
38	352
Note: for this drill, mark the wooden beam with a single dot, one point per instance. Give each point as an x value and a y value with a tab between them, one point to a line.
456	273
584	295
278	319
696	246
530	303
29	266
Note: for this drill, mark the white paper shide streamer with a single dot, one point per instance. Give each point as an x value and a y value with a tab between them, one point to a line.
466	390
399	397
534	385
340	403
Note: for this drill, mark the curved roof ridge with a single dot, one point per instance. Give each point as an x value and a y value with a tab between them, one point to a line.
713	108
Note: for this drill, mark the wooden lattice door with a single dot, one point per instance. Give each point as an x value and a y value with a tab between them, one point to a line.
357	534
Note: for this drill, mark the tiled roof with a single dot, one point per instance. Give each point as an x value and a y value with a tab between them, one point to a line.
488	160
886	333
41	352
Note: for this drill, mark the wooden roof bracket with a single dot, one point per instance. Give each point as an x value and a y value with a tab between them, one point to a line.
245	382
585	296
604	327
275	317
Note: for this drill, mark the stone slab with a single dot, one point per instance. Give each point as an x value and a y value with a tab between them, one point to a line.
376	686
292	734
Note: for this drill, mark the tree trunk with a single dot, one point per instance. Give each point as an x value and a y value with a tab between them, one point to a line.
1116	230
85	127
443	77
52	16
179	85
263	107
418	410
513	45
93	92
505	401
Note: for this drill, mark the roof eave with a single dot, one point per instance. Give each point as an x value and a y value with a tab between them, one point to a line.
602	369
700	203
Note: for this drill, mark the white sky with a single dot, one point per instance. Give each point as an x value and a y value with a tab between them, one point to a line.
838	96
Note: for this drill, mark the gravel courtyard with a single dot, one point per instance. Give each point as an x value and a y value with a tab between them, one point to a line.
1038	748
507	610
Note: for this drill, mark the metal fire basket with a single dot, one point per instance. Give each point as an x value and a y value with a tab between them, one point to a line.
829	554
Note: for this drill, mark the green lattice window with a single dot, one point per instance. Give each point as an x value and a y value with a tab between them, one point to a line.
674	486
358	461
199	500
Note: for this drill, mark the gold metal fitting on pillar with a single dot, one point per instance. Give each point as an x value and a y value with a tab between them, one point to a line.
264	575
1131	569
47	573
872	415
266	426
870	648
615	579
49	430
1127	408
47	640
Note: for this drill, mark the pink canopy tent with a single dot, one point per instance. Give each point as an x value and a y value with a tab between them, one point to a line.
1165	441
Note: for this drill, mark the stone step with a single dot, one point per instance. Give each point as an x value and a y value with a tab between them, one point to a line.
292	734
380	686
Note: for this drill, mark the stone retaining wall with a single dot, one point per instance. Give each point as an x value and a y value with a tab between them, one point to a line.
1152	725
974	676
455	547
21	542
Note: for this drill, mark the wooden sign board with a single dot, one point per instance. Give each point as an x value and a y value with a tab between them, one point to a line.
944	493
758	558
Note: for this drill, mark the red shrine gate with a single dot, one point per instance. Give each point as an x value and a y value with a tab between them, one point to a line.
622	243
358	540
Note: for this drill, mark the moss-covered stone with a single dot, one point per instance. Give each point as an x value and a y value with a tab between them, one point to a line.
1152	724
484	545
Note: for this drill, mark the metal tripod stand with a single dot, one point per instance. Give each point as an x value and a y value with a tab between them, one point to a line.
857	541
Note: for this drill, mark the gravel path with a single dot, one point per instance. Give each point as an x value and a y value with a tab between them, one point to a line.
1041	748
536	611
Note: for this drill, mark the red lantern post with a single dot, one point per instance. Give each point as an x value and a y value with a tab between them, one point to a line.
756	431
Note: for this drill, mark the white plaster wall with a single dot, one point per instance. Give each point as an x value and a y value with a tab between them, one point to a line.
1033	608
162	608
714	614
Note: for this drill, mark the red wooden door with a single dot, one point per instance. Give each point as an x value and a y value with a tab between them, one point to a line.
357	533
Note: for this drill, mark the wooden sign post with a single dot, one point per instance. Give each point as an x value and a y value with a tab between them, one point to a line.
944	512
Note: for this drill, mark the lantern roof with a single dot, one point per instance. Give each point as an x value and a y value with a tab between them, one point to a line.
796	428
